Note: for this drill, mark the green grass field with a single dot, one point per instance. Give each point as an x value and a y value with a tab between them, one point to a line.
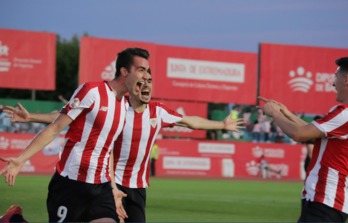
182	200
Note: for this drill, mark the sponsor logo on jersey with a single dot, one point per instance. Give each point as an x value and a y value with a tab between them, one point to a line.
103	108
153	122
75	103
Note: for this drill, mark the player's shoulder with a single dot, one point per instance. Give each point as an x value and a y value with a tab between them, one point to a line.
339	108
155	104
94	84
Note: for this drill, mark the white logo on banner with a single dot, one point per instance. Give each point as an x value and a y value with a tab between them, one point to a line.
4	143
252	168
205	70
258	151
4	63
109	72
302	81
3	50
186	163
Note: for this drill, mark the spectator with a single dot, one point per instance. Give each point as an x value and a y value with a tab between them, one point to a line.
153	157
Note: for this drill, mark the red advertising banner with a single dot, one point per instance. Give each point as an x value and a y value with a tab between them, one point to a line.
12	144
187	109
179	73
204	75
98	56
228	159
299	76
183	158
27	60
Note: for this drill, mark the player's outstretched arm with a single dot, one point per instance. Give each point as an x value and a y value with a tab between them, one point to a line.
14	165
288	114
21	114
196	122
296	130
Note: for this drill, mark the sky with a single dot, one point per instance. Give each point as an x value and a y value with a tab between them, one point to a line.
233	25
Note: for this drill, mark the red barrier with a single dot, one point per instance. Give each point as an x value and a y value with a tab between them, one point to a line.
43	162
227	159
182	158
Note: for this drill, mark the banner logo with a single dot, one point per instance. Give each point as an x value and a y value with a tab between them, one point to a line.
3	50
109	72
300	80
4	62
304	81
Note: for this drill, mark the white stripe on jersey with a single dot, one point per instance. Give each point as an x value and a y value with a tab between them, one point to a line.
98	120
345	204
331	187
131	167
331	125
145	136
327	180
312	178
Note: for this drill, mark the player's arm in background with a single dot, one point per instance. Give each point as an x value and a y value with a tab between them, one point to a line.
21	114
14	164
288	114
196	122
298	131
118	194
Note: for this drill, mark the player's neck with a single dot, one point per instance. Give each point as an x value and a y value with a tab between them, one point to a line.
137	106
118	87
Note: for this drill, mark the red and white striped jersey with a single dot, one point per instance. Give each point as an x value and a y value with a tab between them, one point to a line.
133	147
327	175
98	118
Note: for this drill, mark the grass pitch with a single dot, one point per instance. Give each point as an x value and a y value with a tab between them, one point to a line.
182	200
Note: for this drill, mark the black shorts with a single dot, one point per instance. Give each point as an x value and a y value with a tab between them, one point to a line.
318	212
75	201
134	204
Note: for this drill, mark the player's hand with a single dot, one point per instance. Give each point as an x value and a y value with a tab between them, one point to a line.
281	106
235	125
118	196
17	115
121	219
11	170
270	107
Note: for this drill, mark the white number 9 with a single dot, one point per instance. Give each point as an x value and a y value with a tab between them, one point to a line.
62	212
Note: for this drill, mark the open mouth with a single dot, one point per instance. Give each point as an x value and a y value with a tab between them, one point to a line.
145	94
139	84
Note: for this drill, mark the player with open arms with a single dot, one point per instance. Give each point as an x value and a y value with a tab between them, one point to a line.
144	119
80	190
325	193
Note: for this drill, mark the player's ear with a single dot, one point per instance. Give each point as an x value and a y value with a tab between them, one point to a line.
124	71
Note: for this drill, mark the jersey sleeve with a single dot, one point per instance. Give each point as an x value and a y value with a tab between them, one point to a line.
83	98
168	116
335	123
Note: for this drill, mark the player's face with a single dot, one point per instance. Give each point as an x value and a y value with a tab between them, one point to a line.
145	90
136	74
340	85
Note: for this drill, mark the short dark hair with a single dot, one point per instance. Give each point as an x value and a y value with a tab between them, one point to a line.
343	64
125	58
